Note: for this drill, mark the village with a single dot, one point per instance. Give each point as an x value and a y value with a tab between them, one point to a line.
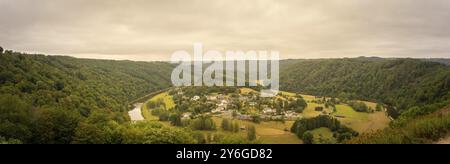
240	106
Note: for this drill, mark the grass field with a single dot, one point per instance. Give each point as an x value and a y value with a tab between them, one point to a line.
359	121
372	105
311	112
147	115
246	90
168	101
323	134
267	132
306	97
271	132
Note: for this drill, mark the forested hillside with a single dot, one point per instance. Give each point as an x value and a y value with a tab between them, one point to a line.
82	84
400	83
439	60
45	99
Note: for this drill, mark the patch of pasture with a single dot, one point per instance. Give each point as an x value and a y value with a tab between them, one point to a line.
360	121
323	134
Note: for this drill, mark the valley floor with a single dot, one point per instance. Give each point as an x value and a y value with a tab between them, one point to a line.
274	132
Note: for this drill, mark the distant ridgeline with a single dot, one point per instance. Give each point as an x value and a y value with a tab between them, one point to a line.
407	86
439	60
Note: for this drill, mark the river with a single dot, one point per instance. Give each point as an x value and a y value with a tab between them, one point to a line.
136	114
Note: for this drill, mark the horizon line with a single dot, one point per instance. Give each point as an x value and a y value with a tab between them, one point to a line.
168	60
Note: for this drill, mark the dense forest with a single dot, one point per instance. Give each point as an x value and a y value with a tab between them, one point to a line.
302	128
83	84
55	99
439	60
401	84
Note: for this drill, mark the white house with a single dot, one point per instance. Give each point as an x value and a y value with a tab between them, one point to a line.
195	98
186	116
268	111
218	109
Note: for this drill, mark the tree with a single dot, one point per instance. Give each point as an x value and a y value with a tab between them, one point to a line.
1	50
151	105
379	107
89	134
203	123
163	116
9	141
55	126
319	108
15	118
236	127
155	133
59	85
308	138
359	106
256	118
251	133
175	119
226	124
234	114
231	126
300	127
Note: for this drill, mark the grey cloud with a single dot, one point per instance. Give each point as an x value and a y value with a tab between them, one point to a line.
153	29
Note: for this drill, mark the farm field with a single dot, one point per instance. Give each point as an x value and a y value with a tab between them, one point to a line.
271	132
359	121
310	111
168	101
323	134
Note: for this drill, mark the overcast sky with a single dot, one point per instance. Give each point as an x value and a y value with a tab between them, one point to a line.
154	29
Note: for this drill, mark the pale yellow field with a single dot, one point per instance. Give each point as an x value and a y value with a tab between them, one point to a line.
311	112
323	133
271	132
246	90
359	121
168	101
